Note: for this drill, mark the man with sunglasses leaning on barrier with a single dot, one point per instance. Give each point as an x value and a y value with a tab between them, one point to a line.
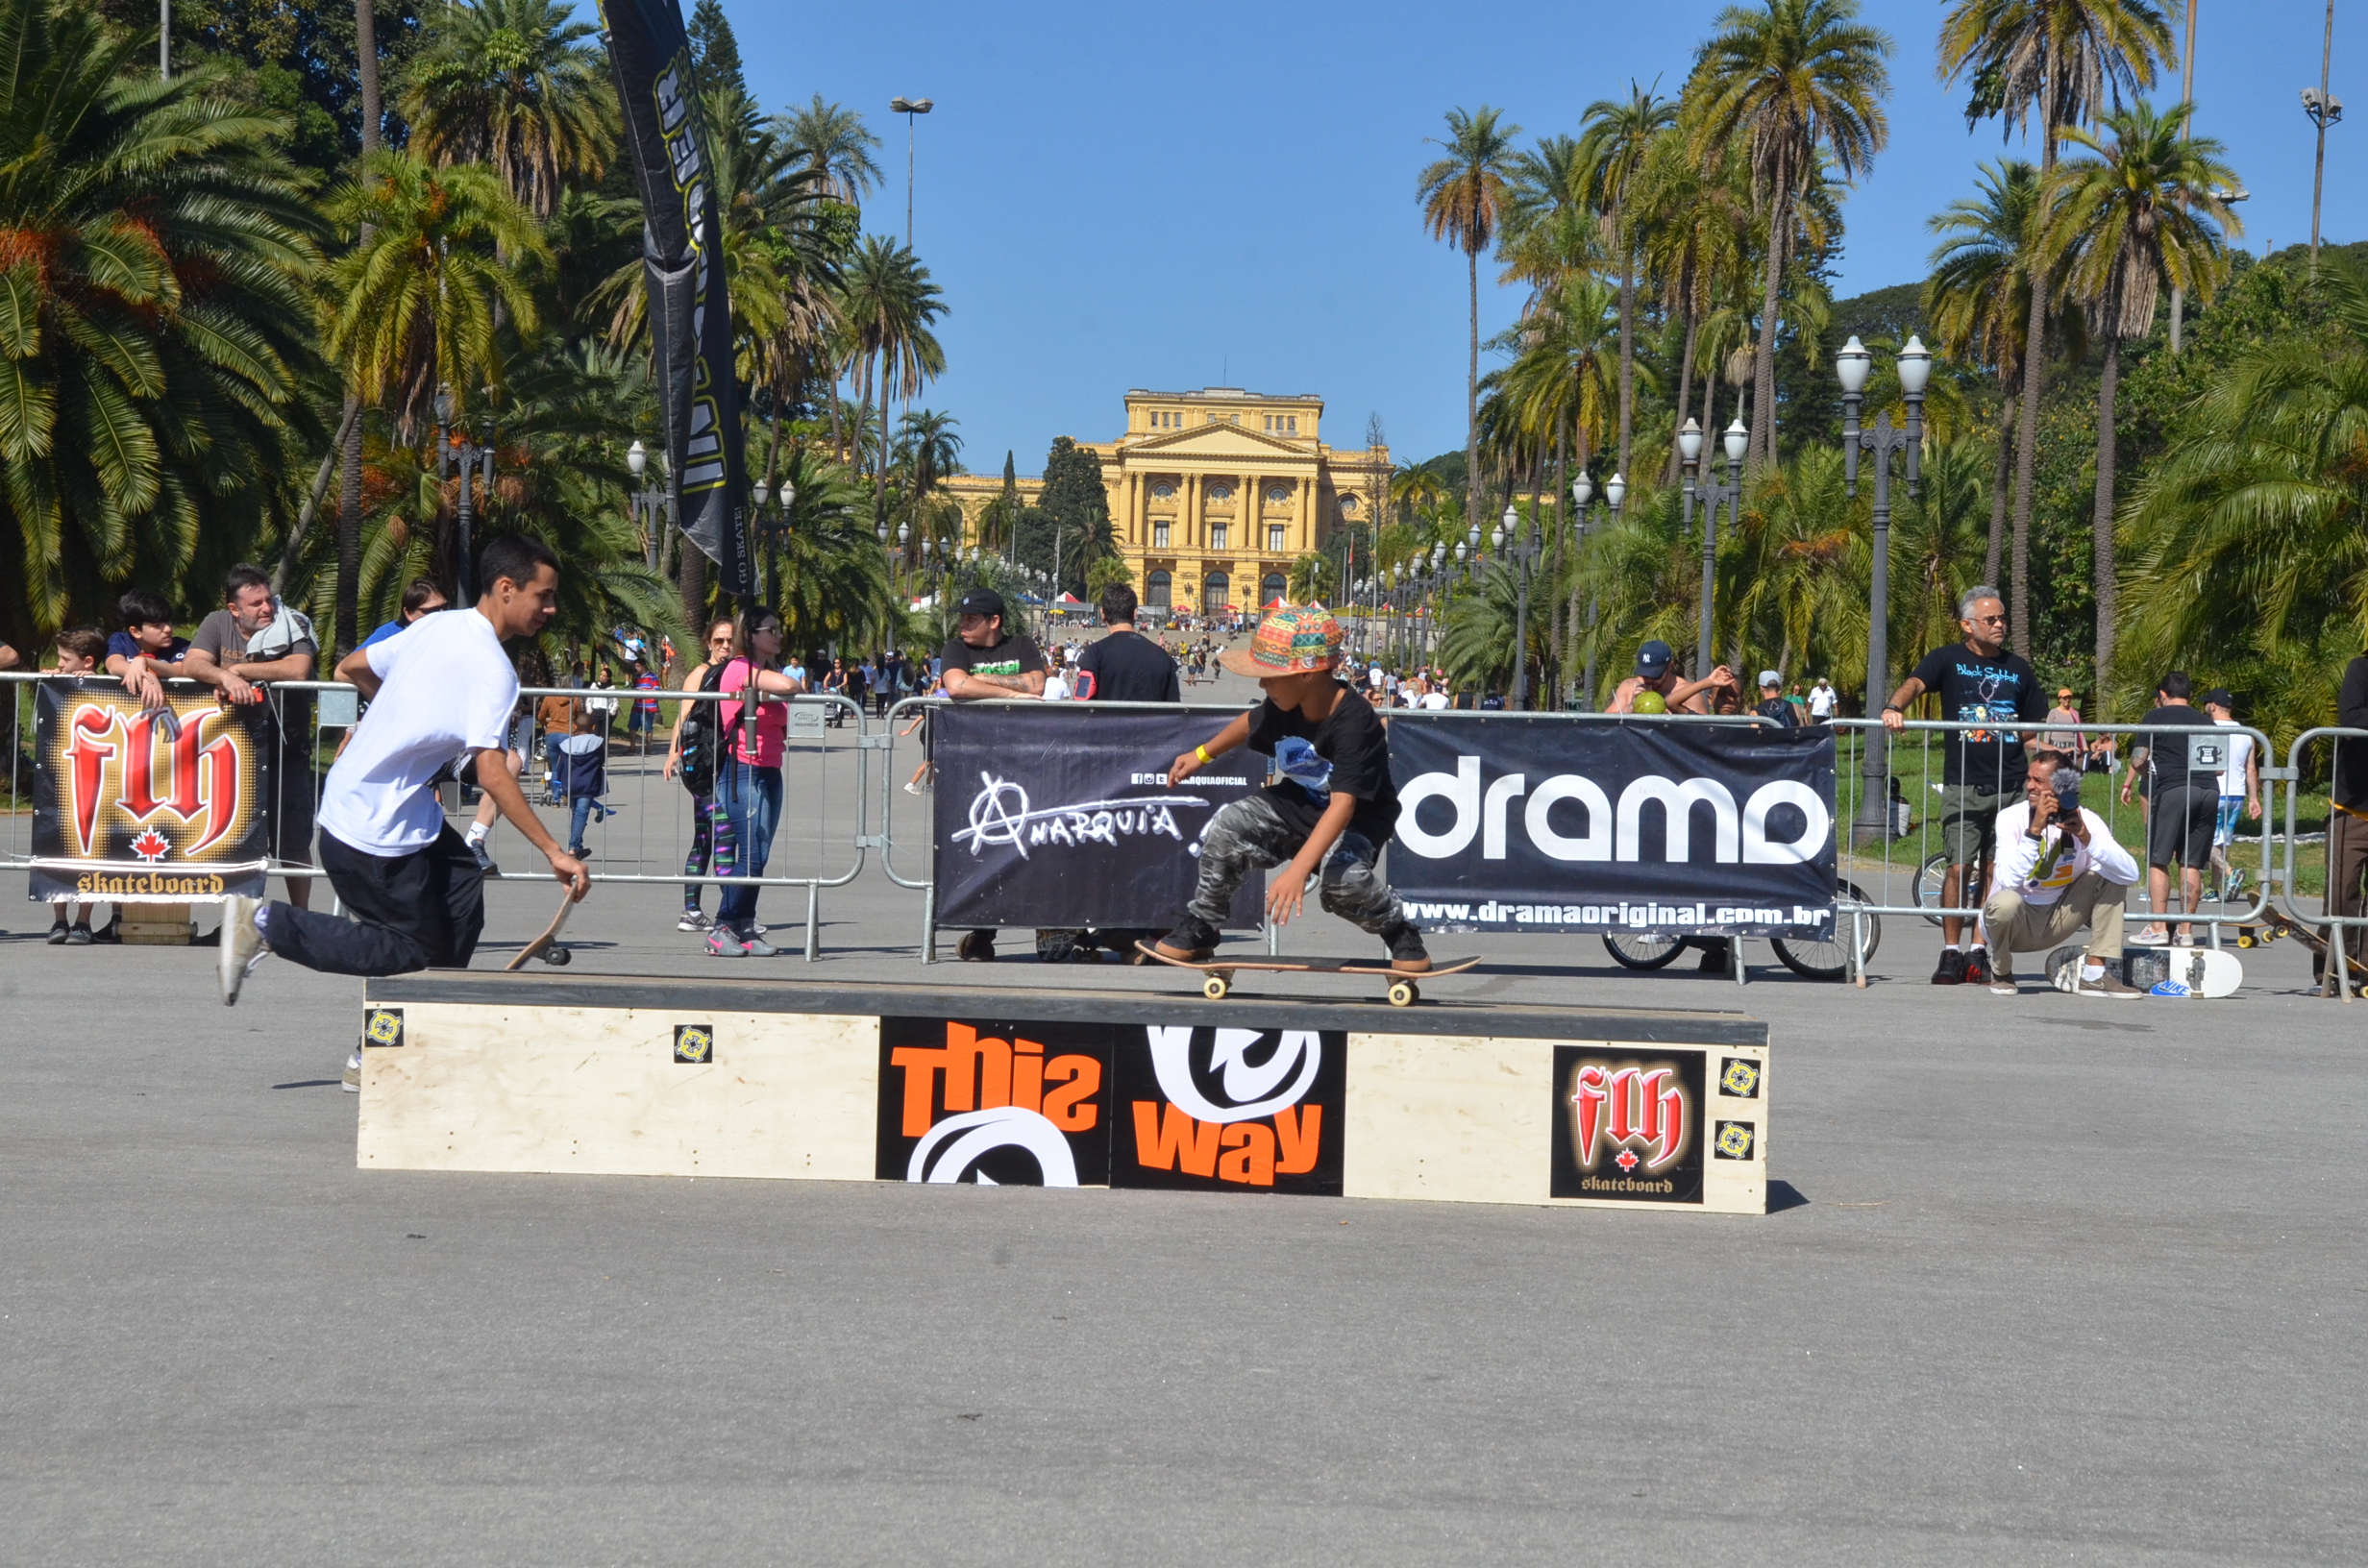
1983	769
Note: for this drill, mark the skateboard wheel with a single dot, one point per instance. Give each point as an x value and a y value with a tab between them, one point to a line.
1214	987
557	956
1402	994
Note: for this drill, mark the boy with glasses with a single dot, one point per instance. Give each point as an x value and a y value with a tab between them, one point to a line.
1977	681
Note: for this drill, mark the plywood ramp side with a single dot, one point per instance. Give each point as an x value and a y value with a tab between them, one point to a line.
1459	1119
599	1090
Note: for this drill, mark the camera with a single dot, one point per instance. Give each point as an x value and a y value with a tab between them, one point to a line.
2067	785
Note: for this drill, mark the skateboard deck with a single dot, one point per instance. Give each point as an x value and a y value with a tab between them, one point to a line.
547	946
1405	990
2274	925
2208	973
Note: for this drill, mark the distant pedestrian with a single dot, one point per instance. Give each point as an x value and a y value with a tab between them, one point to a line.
705	850
1821	701
1773	705
2240	791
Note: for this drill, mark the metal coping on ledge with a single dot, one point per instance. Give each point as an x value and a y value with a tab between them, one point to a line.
1433	1015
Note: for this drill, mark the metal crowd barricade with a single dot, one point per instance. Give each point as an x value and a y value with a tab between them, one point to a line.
643	839
901	725
2335	924
1914	886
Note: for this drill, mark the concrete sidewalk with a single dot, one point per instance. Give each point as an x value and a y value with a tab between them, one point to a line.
2054	1280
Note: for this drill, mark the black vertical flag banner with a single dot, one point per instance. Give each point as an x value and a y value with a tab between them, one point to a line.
682	256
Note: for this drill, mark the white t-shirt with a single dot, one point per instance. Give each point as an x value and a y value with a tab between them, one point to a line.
447	692
2042	869
1821	700
2240	752
1056	687
1434	700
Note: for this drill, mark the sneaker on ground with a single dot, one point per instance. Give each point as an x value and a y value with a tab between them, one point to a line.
1193	941
1951	970
2002	984
756	946
1977	966
2233	886
1407	954
111	935
911	787
976	947
79	934
725	943
353	1075
2108	984
58	934
2154	936
242	947
693	919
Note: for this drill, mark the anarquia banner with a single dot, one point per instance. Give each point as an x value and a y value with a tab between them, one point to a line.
1535	825
1061	815
682	263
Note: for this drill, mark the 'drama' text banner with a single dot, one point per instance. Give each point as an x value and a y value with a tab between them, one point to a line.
1061	815
1532	823
146	805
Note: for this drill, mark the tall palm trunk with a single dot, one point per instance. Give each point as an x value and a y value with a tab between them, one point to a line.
1762	448
1472	397
2027	438
2107	585
1685	395
1627	345
2001	481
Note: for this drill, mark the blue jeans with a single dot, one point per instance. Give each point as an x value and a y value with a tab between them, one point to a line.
751	798
585	806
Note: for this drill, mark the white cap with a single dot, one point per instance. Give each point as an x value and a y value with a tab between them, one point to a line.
1769	677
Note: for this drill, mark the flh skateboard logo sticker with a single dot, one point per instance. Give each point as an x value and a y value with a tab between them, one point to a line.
694	1043
1627	1126
1739	1078
383	1026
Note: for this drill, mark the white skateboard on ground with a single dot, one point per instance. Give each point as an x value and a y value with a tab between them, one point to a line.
2208	973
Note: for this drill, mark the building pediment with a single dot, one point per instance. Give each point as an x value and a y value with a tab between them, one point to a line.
1213	443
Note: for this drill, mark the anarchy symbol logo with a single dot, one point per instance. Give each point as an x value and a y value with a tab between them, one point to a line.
997	813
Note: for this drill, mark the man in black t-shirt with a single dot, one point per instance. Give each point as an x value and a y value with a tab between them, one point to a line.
983	662
1983	768
1125	666
1328	815
2185	804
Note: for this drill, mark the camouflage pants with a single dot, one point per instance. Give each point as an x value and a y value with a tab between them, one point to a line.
1250	835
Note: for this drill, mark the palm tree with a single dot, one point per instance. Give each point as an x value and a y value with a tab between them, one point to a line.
889	305
155	319
834	145
2141	212
411	306
2058	61
514	83
1695	225
1415	491
1616	139
1463	197
1799	83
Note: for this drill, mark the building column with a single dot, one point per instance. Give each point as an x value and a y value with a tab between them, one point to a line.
1189	517
1302	519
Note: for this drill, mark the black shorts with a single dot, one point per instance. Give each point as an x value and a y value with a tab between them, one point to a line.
2179	826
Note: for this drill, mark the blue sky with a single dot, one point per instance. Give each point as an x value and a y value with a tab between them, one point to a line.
1170	196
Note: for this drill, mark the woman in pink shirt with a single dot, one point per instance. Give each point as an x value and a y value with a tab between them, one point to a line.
748	777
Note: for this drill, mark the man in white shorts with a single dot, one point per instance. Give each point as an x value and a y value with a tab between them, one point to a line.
440	693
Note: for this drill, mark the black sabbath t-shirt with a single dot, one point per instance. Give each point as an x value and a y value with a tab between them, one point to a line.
1348	750
1013	655
1984	689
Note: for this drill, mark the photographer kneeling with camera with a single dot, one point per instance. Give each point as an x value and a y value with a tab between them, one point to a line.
2058	869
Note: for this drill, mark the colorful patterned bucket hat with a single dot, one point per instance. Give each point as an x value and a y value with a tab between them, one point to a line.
1288	642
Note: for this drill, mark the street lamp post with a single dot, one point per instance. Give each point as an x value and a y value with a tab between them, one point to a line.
650	508
908	107
1850	368
2325	108
1614	493
1523	549
772	528
465	457
1727	488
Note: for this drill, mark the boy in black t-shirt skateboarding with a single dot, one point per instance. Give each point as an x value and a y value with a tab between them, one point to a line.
1983	769
1328	815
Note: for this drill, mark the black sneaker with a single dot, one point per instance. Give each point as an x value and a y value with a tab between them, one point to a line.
80	934
976	947
110	934
57	935
484	861
1194	941
1407	954
1952	971
1977	966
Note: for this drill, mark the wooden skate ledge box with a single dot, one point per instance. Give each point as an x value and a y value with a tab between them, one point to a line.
1449	1100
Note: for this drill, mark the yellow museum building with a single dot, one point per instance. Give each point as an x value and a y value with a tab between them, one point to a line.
1215	493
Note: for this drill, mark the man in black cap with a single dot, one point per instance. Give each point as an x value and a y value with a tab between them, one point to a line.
1657	672
984	662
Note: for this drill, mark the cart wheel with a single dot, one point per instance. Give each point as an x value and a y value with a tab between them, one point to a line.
557	958
1214	987
1402	994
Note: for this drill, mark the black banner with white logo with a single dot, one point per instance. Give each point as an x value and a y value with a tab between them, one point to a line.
682	266
1534	824
1061	815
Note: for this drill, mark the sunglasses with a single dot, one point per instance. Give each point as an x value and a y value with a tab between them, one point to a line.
1987	620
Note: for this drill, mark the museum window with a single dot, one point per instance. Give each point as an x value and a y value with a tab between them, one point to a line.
1159	536
1277	494
1212	591
1156	591
1270	589
1274	538
1221	492
1216	536
1162	491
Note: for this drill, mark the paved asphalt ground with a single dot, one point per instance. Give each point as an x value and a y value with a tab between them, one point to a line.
2052	1280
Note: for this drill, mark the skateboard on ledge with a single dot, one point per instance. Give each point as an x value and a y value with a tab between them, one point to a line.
1404	990
547	946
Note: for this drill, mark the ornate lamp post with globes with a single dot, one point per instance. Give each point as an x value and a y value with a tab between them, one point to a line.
1850	367
1582	491
1728	488
466	456
650	506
